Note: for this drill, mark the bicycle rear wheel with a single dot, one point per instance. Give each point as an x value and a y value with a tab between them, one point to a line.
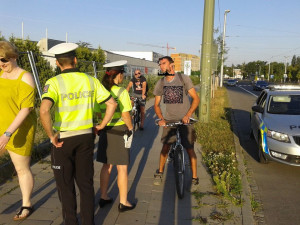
179	171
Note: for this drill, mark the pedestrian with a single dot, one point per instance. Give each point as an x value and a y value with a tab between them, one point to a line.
176	89
139	85
74	95
115	139
18	120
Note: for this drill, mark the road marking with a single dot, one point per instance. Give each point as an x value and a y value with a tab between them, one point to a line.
248	91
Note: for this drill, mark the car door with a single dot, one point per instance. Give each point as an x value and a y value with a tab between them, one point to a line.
256	116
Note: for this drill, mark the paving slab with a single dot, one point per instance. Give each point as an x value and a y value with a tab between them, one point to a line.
155	204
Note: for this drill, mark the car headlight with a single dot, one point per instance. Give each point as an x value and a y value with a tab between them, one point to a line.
278	136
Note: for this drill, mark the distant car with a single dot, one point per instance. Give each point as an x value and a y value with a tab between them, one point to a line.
231	82
275	124
260	85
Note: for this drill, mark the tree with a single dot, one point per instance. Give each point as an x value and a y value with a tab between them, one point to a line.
44	69
298	76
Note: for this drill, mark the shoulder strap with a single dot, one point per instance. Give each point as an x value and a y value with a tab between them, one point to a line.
162	82
181	79
21	75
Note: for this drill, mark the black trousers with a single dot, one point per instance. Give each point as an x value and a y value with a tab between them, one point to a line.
74	162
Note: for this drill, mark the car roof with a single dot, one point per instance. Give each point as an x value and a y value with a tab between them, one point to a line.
283	92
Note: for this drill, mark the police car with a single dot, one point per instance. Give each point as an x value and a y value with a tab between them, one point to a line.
275	124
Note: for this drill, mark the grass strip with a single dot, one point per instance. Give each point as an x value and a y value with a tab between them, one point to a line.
218	150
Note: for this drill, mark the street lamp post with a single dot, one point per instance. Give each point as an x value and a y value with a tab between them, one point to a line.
223	43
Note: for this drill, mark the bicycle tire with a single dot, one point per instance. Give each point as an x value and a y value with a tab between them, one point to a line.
179	171
135	121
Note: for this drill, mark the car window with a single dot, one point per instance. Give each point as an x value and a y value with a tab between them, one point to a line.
260	97
262	101
286	104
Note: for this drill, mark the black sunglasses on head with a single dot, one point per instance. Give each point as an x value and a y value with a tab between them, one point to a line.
4	60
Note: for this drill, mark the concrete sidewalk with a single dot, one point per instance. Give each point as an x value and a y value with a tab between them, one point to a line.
155	204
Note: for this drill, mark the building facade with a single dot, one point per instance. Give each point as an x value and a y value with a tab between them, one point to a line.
180	58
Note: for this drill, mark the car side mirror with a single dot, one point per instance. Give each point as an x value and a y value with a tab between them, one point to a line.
258	109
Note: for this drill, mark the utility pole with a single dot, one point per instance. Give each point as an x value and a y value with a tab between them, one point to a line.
223	46
206	52
269	71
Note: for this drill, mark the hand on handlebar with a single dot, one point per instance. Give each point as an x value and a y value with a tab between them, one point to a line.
186	119
162	123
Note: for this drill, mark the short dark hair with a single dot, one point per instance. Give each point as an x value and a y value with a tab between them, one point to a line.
166	57
65	61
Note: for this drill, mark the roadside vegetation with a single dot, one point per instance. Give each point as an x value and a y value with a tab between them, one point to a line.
218	148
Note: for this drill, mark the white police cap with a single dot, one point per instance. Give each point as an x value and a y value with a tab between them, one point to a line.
115	65
63	49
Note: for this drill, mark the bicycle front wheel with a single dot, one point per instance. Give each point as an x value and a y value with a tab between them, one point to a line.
179	171
136	121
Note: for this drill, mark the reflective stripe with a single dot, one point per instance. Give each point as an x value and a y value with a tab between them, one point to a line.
62	87
264	131
72	124
74	107
66	95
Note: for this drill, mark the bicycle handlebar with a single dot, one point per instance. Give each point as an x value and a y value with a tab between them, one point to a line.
176	123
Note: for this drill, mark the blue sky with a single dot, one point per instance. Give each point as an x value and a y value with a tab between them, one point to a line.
266	30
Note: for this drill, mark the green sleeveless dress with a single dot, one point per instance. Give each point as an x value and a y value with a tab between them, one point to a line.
14	96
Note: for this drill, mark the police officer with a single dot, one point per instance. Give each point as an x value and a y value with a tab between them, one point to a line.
74	95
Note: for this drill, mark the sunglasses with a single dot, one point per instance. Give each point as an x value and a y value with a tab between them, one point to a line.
137	73
4	60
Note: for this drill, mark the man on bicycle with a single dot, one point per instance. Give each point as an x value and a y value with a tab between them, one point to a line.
176	89
139	83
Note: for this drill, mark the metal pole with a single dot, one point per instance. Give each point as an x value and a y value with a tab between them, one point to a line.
206	53
35	73
223	44
269	71
95	69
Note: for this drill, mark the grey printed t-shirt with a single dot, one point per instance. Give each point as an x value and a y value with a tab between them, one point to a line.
174	96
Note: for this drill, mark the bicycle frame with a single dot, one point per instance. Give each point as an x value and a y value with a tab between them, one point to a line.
136	113
177	150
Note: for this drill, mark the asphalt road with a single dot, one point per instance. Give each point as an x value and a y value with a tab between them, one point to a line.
277	184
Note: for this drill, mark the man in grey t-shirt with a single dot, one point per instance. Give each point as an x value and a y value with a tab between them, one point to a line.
178	107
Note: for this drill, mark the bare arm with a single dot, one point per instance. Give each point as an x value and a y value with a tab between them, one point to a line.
158	112
111	106
46	121
127	119
144	90
21	116
129	86
193	107
28	79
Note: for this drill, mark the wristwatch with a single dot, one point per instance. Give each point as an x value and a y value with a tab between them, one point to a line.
8	134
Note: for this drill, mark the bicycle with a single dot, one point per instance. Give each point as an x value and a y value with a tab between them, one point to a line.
136	113
176	154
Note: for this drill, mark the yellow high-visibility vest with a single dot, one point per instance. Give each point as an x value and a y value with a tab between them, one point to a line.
74	94
122	97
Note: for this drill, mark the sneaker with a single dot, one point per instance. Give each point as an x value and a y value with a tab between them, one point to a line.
158	177
195	181
158	174
141	128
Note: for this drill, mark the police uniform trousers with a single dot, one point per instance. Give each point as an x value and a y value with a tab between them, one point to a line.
74	162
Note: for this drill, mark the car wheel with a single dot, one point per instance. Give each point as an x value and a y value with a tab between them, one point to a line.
261	156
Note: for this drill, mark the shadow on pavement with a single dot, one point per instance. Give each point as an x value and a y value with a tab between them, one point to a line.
141	145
